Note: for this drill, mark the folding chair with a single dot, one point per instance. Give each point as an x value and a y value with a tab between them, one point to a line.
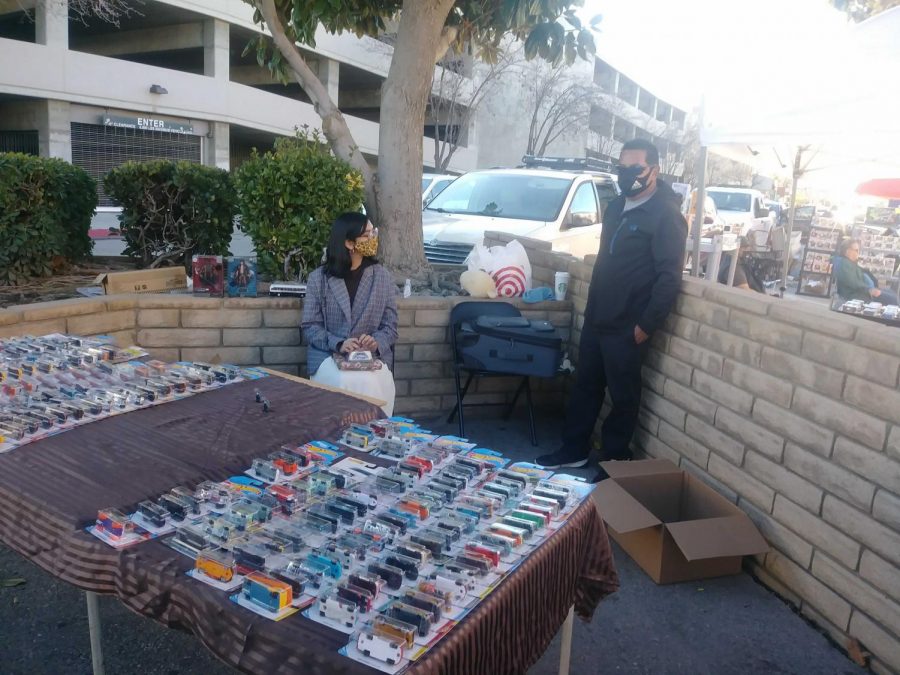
468	311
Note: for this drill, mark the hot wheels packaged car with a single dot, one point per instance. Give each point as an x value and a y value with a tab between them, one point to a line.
113	523
269	593
216	564
153	513
380	647
360	596
393	576
411	615
392	628
410	566
425	602
336	608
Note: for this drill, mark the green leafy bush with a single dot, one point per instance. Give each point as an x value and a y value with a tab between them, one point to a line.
172	210
288	199
46	212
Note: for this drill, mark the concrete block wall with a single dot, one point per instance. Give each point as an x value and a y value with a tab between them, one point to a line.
265	331
792	412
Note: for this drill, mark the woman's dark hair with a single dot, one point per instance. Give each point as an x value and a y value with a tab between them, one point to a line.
844	246
346	227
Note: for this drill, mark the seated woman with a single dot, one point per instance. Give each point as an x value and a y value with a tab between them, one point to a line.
351	305
855	282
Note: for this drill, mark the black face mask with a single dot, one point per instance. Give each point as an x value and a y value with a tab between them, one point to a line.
629	182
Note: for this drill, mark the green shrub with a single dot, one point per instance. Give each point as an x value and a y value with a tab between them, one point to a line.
172	210
45	214
288	199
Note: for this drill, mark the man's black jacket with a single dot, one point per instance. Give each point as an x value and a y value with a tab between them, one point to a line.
638	270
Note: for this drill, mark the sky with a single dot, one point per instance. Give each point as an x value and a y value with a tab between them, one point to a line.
742	57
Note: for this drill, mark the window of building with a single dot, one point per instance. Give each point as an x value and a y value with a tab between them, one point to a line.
646	102
601	120
628	90
97	149
623	131
604	76
20	141
663	111
678	118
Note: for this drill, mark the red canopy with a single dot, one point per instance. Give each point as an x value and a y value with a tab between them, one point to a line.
889	188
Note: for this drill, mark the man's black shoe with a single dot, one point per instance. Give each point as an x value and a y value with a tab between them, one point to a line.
561	460
601	476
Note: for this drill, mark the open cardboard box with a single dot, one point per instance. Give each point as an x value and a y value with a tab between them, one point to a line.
143	281
672	524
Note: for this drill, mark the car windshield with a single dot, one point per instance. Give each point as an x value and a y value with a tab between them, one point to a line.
804	212
521	196
731	201
425	183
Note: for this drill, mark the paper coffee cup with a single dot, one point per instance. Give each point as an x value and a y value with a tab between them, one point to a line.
561	285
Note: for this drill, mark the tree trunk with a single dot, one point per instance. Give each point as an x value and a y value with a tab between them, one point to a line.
334	126
403	101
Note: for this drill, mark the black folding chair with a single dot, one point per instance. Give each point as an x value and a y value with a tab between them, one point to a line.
468	311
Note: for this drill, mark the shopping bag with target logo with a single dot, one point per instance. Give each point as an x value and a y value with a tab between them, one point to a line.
508	266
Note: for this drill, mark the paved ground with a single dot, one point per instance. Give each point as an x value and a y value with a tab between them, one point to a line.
721	626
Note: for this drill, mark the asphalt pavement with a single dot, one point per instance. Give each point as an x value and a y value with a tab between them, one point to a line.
724	626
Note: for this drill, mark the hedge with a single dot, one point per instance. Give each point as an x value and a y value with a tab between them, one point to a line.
172	210
46	207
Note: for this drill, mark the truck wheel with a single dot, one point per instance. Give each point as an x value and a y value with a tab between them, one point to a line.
367	652
391	662
321	613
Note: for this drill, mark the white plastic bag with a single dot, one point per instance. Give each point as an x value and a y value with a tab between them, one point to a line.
508	266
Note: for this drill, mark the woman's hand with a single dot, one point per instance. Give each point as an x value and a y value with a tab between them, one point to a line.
349	345
368	343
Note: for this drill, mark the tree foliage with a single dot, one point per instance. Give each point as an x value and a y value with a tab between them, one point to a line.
172	210
425	31
46	215
288	199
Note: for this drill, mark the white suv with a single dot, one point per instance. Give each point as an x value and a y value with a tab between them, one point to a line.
744	212
564	207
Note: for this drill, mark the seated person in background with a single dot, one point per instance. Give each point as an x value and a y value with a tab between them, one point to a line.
351	305
744	275
855	282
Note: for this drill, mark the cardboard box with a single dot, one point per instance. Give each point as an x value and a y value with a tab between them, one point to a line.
672	524
143	281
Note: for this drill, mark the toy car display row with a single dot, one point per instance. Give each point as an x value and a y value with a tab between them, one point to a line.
51	383
386	552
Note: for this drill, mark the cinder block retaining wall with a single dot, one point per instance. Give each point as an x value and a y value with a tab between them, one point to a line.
793	413
787	409
265	331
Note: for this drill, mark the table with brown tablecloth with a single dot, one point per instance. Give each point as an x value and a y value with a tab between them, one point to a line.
51	490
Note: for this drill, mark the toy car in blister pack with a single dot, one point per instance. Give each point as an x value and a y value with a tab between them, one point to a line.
176	507
347	514
153	513
426	464
410	468
355	594
417	508
454	527
347	556
265	470
435	541
380	647
484	507
503	544
446	489
392	576
245	484
551	493
398	522
216	564
540	509
515	534
187	497
191	536
479	565
546	502
293	534
221	529
113	523
286	462
268	593
393	447
391	628
353	502
294	576
302	456
514	487
333	565
410	566
498	500
411	615
336	608
491	553
539	519
243	514
321	521
525	525
380	529
415	551
322	483
250	556
287	497
443	595
389	484
370	582
425	602
275	542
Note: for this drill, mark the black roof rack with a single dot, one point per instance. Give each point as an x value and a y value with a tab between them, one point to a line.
567	163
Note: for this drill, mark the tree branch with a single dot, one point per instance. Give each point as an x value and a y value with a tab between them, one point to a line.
447	38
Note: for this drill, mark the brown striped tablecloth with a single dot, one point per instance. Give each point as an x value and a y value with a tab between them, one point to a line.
50	490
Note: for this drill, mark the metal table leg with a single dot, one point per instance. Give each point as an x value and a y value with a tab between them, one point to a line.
565	651
93	612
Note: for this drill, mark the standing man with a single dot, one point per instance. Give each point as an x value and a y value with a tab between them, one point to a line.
635	281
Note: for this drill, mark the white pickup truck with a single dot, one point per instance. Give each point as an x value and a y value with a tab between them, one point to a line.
564	207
